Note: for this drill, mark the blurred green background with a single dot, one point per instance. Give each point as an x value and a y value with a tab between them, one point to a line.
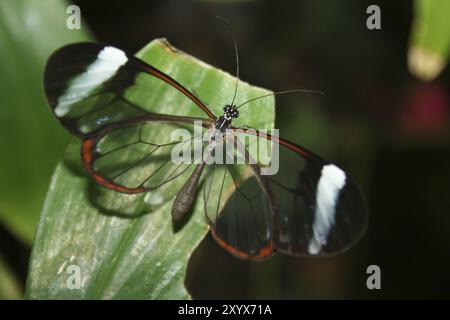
379	119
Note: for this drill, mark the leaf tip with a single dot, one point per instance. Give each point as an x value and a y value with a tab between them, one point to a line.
424	63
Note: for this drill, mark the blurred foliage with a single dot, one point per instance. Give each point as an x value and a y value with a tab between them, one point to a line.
9	288
31	139
138	254
430	38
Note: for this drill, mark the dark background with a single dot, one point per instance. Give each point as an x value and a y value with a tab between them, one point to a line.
389	130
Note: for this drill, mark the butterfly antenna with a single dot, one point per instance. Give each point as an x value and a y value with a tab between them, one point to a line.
282	92
236	54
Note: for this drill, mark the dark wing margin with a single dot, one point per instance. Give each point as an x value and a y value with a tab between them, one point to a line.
85	86
310	207
87	156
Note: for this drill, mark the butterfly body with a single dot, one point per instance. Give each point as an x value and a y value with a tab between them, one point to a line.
224	121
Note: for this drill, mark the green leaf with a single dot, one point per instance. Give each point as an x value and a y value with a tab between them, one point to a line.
120	254
31	140
429	47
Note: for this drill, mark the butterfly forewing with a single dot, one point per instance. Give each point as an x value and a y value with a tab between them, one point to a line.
90	85
317	208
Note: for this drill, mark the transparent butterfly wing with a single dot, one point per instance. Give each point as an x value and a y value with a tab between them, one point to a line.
237	210
145	155
309	207
320	209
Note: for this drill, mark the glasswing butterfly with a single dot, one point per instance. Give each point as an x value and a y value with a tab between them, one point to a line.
310	207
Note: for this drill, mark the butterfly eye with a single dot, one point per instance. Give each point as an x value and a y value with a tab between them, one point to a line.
235	114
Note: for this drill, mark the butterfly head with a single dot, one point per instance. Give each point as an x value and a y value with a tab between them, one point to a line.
230	112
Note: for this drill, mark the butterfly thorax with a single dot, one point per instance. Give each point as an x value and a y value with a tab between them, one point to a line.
224	121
